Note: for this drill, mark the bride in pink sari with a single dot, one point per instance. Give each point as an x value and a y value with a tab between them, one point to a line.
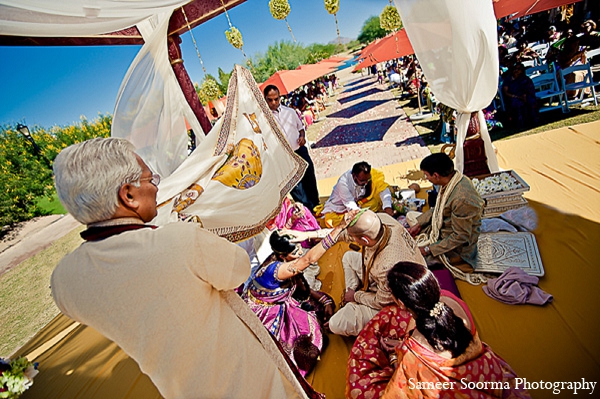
271	296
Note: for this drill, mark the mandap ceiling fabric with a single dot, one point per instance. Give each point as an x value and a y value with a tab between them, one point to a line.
151	112
456	43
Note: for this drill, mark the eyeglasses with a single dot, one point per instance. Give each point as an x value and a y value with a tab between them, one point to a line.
361	183
154	179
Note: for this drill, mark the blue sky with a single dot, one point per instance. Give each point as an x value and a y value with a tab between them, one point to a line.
47	86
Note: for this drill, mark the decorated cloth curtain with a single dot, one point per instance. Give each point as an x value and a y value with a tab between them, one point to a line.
456	44
237	177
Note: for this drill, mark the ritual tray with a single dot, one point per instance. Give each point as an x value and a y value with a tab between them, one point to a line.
502	201
518	191
498	208
499	251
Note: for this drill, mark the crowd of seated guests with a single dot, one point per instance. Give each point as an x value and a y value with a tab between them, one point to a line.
562	47
309	100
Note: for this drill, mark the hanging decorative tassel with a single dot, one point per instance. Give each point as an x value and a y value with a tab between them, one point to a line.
332	7
234	37
390	18
194	40
280	9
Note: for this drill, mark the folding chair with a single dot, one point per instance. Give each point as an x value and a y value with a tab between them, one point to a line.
541	49
587	82
538	70
549	94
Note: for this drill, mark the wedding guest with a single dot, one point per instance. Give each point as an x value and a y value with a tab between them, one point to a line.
163	294
425	345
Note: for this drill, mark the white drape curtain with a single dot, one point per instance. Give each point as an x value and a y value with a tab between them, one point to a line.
456	44
151	111
70	18
151	107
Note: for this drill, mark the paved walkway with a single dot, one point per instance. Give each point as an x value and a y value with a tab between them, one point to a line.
364	123
32	237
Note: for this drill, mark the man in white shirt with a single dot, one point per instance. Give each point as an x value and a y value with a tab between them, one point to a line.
306	191
360	187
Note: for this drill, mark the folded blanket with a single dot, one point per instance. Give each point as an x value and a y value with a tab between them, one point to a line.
516	287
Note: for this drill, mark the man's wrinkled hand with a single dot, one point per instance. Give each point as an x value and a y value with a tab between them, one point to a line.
301	141
349	296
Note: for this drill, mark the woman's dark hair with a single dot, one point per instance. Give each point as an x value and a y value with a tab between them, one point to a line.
416	287
280	243
439	163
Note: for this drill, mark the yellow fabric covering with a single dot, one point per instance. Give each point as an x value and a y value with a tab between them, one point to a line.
557	342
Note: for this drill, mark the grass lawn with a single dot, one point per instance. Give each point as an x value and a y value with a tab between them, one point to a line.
26	304
429	129
52	205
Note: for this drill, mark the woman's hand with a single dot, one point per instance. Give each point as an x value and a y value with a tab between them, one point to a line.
348	217
389	344
298	236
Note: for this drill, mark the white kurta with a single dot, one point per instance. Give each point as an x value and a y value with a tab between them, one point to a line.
290	123
160	295
346	192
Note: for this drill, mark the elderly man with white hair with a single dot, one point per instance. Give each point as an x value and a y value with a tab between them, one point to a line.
384	243
163	294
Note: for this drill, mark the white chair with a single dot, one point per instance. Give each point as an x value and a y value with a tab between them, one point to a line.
586	83
528	63
548	92
592	53
541	49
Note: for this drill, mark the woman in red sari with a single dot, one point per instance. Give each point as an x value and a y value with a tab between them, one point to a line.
442	357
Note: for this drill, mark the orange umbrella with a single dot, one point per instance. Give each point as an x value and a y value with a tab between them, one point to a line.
369	47
287	81
520	8
389	48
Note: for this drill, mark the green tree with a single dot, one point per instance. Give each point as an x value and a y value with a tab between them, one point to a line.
279	56
318	52
26	175
371	30
224	80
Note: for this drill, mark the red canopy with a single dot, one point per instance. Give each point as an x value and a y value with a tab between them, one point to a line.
393	46
520	8
287	81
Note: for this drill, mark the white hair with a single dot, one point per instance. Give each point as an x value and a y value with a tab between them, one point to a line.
88	177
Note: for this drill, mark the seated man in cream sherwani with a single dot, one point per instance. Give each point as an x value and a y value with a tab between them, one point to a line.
385	242
163	294
360	187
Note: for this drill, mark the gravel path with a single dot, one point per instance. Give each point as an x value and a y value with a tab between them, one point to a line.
364	123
